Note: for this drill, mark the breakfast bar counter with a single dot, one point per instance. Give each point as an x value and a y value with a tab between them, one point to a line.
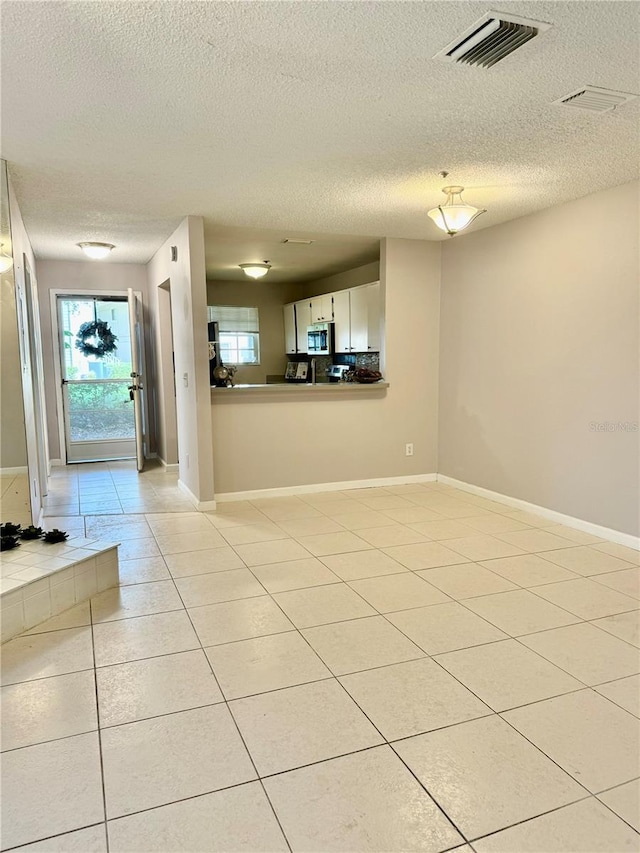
292	389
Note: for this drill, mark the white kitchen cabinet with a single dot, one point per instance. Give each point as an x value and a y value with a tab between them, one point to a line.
303	320
342	321
321	308
359	320
355	312
373	317
290	338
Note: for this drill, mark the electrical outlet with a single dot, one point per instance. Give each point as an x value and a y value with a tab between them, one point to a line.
408	450
185	380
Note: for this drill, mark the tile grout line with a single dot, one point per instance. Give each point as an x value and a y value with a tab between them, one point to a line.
335	678
384	616
100	753
51	837
352	699
235	723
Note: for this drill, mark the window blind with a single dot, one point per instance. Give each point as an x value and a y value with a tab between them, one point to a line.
234	318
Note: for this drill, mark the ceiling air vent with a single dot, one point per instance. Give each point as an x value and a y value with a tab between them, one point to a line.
491	39
595	99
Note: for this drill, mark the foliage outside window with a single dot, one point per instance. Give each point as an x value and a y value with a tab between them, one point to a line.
239	331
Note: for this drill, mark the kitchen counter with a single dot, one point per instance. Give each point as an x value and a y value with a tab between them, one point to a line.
302	388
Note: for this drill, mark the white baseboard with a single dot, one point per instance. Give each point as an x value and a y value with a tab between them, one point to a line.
568	520
169	467
202	506
312	488
8	472
56	463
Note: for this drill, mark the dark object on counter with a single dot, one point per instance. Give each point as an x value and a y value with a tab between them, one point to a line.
366	376
31	532
10	529
337	372
51	537
7	543
223	375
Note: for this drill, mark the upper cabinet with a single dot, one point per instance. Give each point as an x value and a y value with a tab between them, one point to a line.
322	308
290	337
342	321
303	320
359	320
374	317
356	314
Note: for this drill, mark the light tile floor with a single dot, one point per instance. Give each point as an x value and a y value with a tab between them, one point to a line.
393	669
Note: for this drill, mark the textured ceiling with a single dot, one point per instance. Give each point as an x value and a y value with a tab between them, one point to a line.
327	254
119	118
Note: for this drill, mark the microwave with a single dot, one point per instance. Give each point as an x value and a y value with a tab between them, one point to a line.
320	339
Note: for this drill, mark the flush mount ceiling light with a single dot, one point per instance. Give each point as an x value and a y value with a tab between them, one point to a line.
96	251
255	270
6	261
454	214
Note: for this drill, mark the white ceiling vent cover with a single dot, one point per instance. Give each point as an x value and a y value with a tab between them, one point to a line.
595	99
491	39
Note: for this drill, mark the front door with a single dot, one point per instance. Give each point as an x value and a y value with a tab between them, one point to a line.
97	364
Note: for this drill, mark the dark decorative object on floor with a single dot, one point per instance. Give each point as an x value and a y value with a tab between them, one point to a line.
55	535
10	529
9	542
107	341
31	532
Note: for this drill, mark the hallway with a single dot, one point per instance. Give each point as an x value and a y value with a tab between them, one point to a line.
410	668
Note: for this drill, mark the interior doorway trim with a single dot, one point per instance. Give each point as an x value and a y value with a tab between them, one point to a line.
57	355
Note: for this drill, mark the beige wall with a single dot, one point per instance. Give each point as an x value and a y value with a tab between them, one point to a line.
278	441
342	280
539	331
188	289
80	277
269	299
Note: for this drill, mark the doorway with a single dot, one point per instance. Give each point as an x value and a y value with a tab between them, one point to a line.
100	344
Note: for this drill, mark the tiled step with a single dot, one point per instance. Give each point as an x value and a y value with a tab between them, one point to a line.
40	580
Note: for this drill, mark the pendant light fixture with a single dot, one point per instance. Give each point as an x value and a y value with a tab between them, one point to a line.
255	270
454	214
6	261
96	251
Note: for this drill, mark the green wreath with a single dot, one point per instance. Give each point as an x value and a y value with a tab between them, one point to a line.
107	341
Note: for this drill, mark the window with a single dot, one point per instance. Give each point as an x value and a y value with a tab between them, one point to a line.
239	331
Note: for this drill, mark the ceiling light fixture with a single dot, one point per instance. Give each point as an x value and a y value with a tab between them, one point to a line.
255	270
6	261
454	214
96	251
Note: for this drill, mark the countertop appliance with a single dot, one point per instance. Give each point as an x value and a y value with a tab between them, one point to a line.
336	372
320	339
296	371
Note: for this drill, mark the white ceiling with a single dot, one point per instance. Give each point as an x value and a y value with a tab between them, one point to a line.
227	247
119	118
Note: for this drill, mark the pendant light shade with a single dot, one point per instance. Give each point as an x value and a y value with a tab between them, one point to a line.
454	214
96	251
255	270
6	261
